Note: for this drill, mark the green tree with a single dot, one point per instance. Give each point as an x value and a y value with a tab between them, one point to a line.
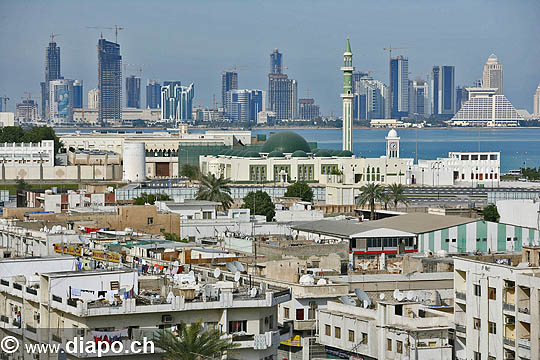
385	199
35	134
396	193
150	199
215	189
301	190
371	193
22	185
190	171
259	203
491	214
193	342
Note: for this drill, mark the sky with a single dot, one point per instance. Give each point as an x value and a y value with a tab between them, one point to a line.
194	41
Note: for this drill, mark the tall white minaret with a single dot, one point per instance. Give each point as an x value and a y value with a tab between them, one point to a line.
347	97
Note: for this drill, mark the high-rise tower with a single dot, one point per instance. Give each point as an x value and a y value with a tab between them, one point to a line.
52	72
276	66
537	103
229	81
347	97
399	87
109	82
443	91
492	77
133	92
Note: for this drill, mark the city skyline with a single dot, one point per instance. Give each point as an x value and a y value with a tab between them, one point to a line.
311	56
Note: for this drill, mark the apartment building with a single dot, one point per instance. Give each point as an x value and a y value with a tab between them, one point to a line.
497	308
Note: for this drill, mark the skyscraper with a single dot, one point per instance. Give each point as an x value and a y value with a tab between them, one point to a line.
229	81
276	65
492	77
133	92
442	91
461	97
359	100
419	98
347	97
307	110
61	101
282	96
93	99
176	101
109	82
370	98
536	106
52	72
153	94
77	94
399	87
244	105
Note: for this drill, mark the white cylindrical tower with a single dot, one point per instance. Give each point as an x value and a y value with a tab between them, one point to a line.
134	156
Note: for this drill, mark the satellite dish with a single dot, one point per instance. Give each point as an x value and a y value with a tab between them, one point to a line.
363	297
237	276
395	293
230	266
381	296
321	282
176	264
410	295
239	266
347	300
217	272
436	298
306	280
253	292
400	297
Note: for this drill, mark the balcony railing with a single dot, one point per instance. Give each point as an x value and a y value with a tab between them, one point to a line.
461	295
525	343
509	307
508	341
461	328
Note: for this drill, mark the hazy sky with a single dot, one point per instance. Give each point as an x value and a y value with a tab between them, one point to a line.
194	41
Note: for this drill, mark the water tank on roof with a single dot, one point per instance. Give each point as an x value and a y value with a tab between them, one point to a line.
134	156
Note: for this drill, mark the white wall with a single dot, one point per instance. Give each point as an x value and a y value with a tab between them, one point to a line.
525	213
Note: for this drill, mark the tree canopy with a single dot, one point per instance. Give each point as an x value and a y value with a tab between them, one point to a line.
190	171
396	194
259	203
301	190
491	214
150	199
371	193
215	189
34	134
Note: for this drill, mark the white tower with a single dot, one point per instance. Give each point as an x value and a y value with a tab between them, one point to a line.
392	145
492	77
347	97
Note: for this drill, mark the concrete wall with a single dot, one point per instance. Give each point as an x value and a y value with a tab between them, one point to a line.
85	172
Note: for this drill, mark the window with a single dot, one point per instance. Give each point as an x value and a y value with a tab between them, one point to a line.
399	347
483	157
351	335
114	285
327	330
477	356
477	239
474	157
150	220
299	314
398	310
389	344
364	339
492	327
447	240
453	240
477	290
237	326
492	357
476	323
207	215
492	293
286	312
337	332
508	239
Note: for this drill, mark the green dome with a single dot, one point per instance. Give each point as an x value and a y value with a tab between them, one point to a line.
252	154
276	154
299	153
335	152
223	152
237	153
314	150
229	152
323	153
286	142
345	153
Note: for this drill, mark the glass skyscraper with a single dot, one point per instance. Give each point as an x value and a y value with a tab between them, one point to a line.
133	92
244	105
442	91
229	81
153	94
176	101
276	64
109	82
52	72
282	96
399	87
77	94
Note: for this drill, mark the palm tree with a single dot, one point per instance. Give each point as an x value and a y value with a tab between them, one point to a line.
385	199
397	194
194	342
370	193
215	189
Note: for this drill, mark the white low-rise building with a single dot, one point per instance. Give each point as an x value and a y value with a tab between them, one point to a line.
27	154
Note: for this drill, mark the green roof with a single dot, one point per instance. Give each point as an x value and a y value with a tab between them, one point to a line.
323	153
348	46
299	153
252	154
276	154
286	142
345	153
335	152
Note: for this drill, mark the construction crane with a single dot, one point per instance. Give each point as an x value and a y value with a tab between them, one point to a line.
390	48
28	97
138	67
4	100
116	28
52	36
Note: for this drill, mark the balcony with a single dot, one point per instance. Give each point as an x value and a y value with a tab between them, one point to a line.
525	343
509	307
509	341
461	296
461	328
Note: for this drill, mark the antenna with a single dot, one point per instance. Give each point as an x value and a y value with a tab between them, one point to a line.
52	36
